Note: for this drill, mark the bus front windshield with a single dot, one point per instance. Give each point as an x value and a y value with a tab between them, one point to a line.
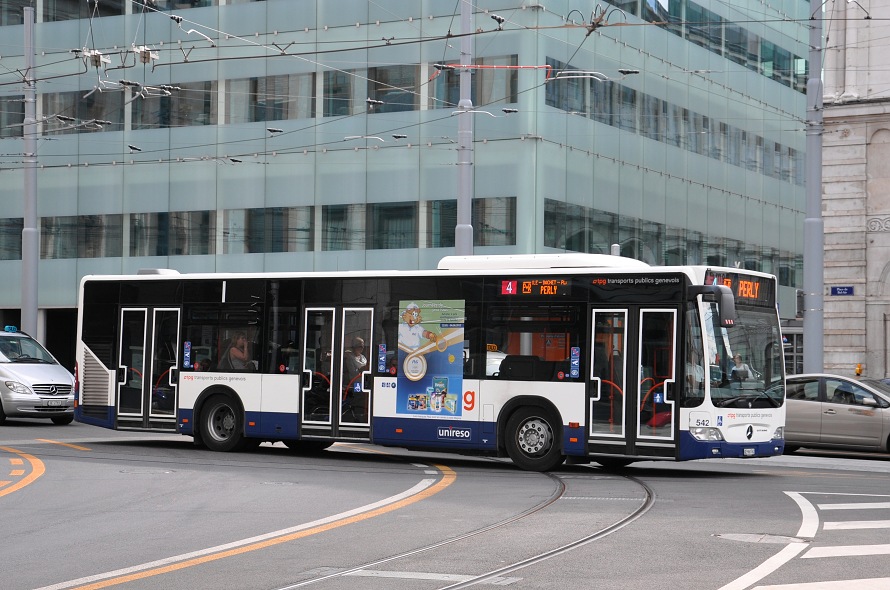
746	365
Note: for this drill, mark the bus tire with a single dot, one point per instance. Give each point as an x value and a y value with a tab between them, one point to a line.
790	449
222	424
531	439
308	447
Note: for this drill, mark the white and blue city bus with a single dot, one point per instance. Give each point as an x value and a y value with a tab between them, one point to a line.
540	358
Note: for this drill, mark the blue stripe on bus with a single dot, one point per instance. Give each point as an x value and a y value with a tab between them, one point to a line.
446	434
690	448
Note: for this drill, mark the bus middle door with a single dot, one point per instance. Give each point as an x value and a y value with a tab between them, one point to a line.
632	388
148	359
335	400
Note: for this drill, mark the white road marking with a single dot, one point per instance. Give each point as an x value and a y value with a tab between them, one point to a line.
846	551
856	524
856	506
500	580
865	584
788	553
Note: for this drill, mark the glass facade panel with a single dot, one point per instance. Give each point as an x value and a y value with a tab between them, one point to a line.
177	233
80	113
491	85
392	225
11	238
274	229
395	86
56	10
12	116
194	103
271	98
85	236
338	93
343	227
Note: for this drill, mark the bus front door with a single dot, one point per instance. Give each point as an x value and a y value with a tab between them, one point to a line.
632	387
146	375
335	400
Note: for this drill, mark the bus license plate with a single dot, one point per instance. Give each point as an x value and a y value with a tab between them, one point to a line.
749	452
54	402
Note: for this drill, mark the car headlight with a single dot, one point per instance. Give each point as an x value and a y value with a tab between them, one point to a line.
706	433
779	434
16	387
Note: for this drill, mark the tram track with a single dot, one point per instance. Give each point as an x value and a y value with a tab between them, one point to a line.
492	575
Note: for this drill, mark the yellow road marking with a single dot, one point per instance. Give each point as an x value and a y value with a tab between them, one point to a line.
16	462
69	445
448	477
37	470
17	472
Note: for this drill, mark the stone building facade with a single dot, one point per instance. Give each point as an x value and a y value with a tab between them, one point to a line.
856	189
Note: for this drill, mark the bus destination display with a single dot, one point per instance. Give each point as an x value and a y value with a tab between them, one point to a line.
538	286
748	290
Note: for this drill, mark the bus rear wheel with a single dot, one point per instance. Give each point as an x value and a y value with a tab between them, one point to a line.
222	424
532	440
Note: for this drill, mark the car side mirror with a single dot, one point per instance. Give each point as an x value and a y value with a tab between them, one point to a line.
869	401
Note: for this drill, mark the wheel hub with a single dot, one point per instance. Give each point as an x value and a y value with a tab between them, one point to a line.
534	437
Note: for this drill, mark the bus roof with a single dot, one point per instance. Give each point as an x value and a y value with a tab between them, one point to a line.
536	261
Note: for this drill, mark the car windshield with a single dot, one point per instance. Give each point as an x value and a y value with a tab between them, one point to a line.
22	349
878	385
746	365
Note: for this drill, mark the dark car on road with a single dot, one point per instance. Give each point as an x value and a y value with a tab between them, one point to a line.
831	411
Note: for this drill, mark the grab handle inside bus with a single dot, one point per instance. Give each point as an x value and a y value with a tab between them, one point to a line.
723	296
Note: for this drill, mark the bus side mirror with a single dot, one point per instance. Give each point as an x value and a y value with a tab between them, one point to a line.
723	296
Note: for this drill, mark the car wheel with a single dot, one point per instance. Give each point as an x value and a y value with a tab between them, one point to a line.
62	420
2	415
222	424
789	449
532	439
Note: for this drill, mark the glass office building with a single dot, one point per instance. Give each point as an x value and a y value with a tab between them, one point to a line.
236	135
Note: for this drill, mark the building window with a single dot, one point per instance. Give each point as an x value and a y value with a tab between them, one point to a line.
271	98
338	94
194	103
100	111
343	227
177	233
492	85
11	238
395	86
392	225
273	229
12	116
58	10
85	236
493	219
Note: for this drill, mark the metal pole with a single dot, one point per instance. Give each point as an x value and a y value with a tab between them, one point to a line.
30	232
813	228
463	232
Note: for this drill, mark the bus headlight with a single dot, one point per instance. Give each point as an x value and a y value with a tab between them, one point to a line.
706	434
779	434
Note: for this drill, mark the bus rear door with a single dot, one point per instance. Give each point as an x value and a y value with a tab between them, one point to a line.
146	393
632	388
335	401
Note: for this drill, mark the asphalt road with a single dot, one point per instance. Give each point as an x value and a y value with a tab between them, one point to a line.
82	507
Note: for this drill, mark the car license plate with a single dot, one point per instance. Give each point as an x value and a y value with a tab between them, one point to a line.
749	452
54	402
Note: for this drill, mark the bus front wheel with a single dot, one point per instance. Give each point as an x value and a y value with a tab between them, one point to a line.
532	440
222	424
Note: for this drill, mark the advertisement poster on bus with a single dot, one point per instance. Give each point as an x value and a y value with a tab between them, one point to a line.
431	353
